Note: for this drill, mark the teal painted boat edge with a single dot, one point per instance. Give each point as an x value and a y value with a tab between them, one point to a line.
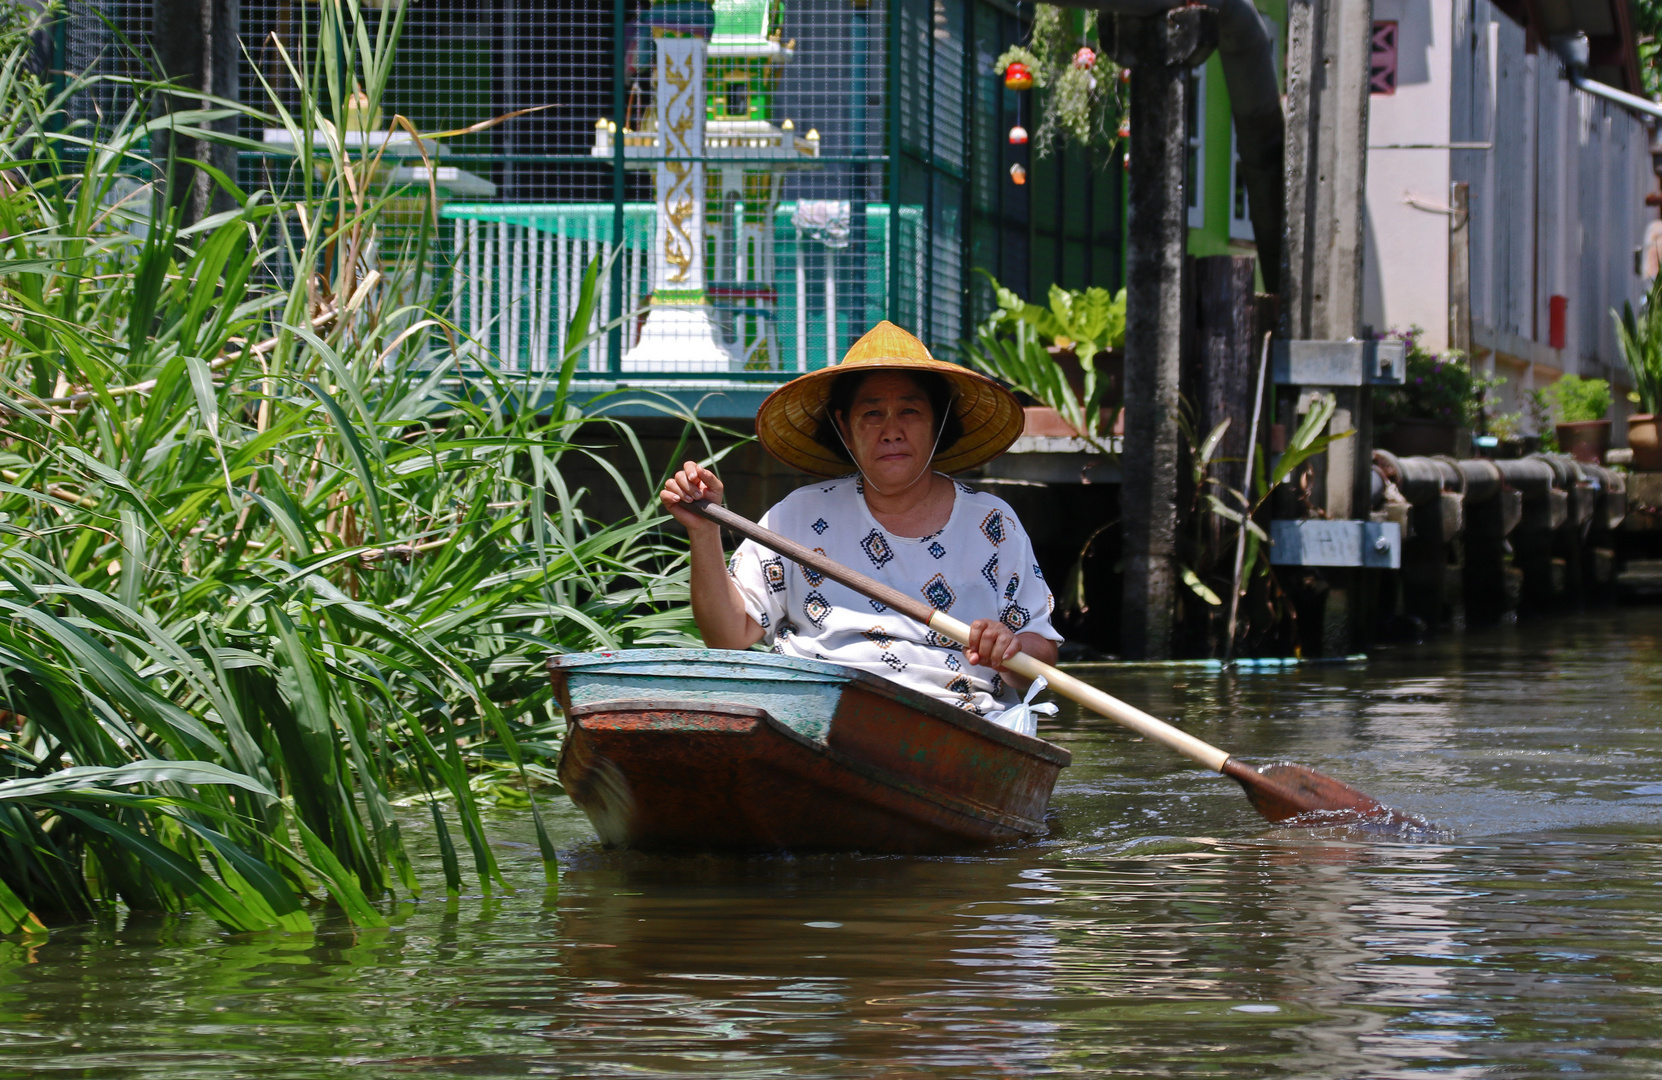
777	667
768	665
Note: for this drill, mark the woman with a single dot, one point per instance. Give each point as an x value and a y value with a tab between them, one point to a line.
900	420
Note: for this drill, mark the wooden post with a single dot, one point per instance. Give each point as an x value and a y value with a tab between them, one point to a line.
1460	268
1225	357
196	45
1159	50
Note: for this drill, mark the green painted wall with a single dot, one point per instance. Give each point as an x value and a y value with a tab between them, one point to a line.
1212	238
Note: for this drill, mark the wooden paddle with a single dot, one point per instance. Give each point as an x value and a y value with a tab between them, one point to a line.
1290	794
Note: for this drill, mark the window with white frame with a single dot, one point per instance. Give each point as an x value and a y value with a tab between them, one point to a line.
1240	210
1194	123
1240	207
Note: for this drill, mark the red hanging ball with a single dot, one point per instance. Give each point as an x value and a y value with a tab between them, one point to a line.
1018	135
1018	77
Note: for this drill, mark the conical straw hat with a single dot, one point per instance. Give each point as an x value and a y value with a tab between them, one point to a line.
790	418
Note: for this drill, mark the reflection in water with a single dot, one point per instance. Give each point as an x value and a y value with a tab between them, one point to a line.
1163	929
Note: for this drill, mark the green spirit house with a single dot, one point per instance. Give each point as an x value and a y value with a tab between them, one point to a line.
824	164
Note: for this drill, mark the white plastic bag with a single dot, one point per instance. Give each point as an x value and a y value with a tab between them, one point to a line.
1023	719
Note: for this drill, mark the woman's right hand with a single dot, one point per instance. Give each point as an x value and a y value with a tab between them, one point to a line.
692	483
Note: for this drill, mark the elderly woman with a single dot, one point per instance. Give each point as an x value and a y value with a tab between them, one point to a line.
886	427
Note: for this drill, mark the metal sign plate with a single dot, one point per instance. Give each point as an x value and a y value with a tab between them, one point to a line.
1373	544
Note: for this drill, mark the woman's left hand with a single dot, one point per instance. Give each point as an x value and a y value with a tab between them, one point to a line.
990	644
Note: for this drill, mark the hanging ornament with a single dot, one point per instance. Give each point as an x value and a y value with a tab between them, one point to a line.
1018	174
1018	135
1017	76
1125	76
1125	129
1084	58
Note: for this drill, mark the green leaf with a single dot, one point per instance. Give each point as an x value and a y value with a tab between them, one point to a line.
1198	587
15	914
339	881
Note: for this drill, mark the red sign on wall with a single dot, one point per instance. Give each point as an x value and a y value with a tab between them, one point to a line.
1382	58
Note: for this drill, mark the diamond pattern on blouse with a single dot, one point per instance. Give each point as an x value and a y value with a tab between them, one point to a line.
1015	617
763	621
998	685
894	661
813	578
1013	587
773	572
960	684
990	571
876	547
939	593
821	525
879	637
992	527
936	549
1037	573
952	662
879	608
786	629
816	607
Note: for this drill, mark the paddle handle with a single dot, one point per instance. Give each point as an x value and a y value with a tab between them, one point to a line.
1026	666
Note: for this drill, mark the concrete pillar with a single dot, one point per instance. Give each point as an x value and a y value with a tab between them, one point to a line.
1321	285
1159	50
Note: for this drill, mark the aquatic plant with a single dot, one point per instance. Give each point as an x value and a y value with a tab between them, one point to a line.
269	557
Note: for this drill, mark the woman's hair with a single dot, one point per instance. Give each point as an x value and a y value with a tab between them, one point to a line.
845	387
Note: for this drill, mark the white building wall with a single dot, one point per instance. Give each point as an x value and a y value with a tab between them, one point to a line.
1557	180
1405	266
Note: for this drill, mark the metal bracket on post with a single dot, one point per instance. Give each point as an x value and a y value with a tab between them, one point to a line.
1339	363
1373	545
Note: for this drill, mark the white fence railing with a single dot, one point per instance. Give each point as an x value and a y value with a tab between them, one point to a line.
516	274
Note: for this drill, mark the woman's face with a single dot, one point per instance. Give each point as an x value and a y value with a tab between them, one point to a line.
890	429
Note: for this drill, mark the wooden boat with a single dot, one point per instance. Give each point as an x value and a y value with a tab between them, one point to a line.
700	749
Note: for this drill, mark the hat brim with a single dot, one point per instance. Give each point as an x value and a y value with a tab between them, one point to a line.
789	420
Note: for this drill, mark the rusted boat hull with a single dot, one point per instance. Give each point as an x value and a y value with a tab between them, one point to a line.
691	749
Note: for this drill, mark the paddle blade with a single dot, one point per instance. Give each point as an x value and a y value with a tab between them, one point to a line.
1295	795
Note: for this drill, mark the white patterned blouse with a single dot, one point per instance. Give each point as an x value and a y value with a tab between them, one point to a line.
979	566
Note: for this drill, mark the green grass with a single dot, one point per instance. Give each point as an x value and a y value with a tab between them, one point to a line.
266	561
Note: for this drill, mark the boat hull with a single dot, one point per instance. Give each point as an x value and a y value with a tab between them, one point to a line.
702	750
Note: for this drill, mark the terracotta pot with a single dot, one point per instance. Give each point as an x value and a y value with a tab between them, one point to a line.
1048	423
1585	440
1423	438
1646	440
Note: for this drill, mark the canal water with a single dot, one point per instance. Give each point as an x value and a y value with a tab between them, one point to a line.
1163	929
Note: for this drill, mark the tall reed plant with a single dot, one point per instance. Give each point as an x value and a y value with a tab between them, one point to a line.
269	559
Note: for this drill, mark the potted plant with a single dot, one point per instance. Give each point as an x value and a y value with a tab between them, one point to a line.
1062	356
1579	406
1640	340
1437	406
